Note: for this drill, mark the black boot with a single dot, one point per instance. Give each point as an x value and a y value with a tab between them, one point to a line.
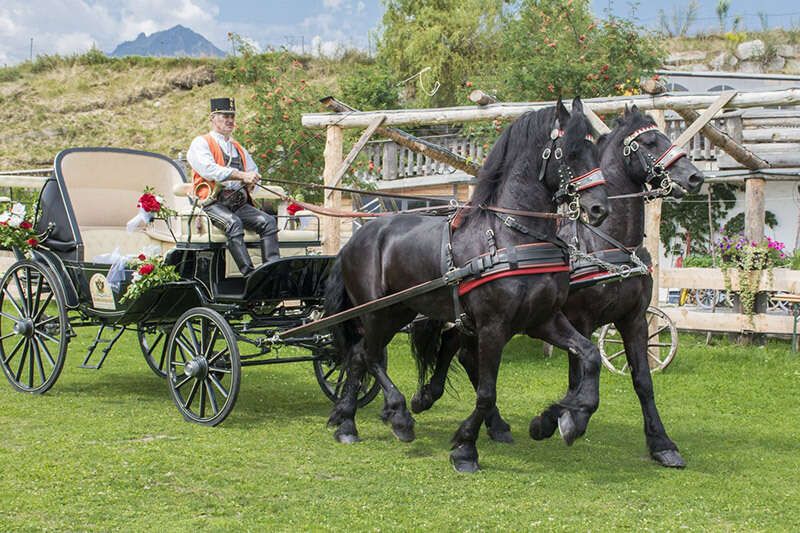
270	250
238	250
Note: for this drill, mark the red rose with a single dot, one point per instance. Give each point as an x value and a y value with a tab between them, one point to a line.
146	269
142	257
33	241
25	225
149	203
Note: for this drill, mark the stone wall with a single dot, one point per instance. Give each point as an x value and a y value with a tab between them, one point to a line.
754	56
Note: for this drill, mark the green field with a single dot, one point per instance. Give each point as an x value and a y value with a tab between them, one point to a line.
108	450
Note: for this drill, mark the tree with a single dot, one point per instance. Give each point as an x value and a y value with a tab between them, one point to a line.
453	38
723	6
553	47
681	20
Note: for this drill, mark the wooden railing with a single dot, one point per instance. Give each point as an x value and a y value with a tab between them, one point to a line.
391	161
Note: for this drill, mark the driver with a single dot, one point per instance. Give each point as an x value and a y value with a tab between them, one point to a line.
224	174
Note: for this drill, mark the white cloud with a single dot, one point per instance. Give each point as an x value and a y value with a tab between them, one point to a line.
332	4
68	43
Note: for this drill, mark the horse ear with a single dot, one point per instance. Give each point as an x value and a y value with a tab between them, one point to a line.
577	105
561	112
634	109
627	111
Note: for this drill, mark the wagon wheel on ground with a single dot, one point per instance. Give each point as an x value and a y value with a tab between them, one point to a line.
203	366
33	327
153	342
331	377
662	343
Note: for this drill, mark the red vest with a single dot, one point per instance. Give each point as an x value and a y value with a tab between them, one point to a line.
204	188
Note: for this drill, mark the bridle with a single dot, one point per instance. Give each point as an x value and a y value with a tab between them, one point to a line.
570	186
655	168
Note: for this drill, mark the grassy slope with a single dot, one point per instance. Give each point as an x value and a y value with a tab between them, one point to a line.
107	450
125	104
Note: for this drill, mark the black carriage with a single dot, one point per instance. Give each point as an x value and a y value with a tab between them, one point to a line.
197	332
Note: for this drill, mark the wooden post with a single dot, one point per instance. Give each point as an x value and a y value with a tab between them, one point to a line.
331	227
754	208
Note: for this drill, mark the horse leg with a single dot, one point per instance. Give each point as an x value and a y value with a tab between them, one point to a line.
497	428
395	411
428	393
344	411
576	408
544	425
486	350
634	336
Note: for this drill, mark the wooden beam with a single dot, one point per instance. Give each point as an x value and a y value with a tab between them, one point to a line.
726	143
602	106
599	126
704	119
23	182
331	226
688	319
357	147
783	279
652	225
481	98
411	142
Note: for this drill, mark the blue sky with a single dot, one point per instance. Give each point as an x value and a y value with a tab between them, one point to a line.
70	26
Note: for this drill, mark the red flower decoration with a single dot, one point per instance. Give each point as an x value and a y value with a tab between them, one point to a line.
149	203
293	208
25	225
142	257
33	241
146	269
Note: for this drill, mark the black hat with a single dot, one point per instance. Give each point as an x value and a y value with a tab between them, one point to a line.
223	105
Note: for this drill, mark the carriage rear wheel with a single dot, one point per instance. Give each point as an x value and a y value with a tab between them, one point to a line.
331	377
153	342
33	327
203	366
662	343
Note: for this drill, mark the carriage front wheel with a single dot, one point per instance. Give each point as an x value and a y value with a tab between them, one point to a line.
662	343
153	342
203	366
33	327
331	376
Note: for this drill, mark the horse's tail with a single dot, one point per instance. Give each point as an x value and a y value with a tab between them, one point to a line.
425	336
345	335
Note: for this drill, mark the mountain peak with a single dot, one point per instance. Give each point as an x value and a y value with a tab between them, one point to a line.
176	41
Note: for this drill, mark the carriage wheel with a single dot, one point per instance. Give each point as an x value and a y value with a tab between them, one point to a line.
33	327
662	343
153	342
331	376
203	366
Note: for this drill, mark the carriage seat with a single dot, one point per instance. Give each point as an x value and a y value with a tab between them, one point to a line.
101	240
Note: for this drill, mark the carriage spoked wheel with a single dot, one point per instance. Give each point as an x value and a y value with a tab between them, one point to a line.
153	342
33	327
662	343
331	377
203	366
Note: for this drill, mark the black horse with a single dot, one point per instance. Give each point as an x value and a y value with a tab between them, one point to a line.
542	159
633	155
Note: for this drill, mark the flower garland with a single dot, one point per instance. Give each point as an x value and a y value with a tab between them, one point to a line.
149	272
16	230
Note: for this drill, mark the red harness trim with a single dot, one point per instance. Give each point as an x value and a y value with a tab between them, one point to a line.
467	286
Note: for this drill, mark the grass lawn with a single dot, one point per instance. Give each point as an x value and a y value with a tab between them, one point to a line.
108	450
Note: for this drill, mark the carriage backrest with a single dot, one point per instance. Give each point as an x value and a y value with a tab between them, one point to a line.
103	184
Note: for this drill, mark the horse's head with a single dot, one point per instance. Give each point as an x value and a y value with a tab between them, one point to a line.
570	167
649	155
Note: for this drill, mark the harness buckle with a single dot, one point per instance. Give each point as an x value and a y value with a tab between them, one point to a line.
559	153
508	221
546	153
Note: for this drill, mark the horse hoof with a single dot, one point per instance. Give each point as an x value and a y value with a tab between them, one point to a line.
346	438
669	458
541	428
503	436
567	428
404	434
417	405
465	467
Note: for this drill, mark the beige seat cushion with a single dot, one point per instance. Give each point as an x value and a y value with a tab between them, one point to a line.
100	240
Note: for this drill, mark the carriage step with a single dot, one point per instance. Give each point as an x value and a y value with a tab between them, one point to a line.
99	340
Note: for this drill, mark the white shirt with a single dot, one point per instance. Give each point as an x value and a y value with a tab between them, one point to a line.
201	160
